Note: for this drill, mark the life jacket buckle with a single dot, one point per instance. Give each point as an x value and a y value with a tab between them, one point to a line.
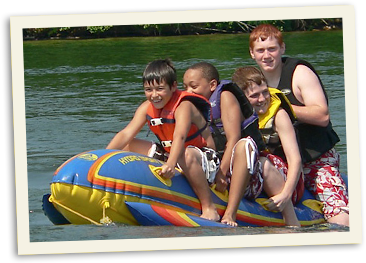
166	143
156	121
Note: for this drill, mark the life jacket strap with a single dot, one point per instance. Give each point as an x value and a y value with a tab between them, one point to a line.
169	143
159	121
166	143
156	121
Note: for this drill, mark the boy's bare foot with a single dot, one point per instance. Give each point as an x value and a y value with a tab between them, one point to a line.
340	219
228	220
211	214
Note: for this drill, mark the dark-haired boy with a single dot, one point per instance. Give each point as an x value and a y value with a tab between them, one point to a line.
179	119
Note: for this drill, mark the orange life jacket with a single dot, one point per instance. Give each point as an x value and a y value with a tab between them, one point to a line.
162	122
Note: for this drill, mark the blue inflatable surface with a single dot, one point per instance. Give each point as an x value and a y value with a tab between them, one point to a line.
124	187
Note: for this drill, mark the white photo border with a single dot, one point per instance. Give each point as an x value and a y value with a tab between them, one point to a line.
347	13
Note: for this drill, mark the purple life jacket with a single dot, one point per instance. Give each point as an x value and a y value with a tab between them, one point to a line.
249	127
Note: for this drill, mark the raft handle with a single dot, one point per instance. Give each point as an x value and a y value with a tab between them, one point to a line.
156	172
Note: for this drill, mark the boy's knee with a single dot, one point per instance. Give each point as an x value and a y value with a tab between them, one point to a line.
266	164
191	155
241	148
245	150
267	167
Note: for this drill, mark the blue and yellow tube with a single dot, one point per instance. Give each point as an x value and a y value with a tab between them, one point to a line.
99	187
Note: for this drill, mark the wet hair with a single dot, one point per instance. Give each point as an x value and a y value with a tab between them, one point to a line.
158	71
209	71
264	31
245	76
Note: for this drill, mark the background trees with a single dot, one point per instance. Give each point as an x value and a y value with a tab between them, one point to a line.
234	27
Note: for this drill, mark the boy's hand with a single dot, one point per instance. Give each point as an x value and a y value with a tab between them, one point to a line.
221	182
167	171
277	202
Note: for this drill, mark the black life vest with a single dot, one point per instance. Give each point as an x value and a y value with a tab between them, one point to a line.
313	140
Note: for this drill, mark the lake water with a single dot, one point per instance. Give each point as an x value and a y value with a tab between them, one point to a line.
79	93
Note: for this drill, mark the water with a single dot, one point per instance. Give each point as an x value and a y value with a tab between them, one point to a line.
79	93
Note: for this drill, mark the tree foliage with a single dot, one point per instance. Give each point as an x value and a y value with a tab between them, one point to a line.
178	29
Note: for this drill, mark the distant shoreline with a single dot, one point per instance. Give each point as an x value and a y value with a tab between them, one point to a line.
164	30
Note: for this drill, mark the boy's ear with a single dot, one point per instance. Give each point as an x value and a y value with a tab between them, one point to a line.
174	86
251	53
213	85
283	48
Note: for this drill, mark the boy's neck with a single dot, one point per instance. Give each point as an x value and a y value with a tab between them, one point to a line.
273	77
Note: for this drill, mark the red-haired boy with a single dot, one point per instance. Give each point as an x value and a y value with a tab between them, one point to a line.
298	80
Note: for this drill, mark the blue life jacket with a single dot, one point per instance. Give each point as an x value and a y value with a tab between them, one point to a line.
249	127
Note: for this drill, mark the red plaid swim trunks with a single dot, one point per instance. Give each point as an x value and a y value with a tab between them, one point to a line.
282	167
324	181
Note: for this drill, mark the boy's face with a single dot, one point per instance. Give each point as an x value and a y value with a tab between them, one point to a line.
159	94
194	82
259	97
267	54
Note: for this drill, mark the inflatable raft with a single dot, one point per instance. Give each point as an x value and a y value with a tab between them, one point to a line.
105	186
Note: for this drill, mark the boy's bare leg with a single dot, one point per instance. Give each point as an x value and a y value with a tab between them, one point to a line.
192	168
138	146
273	185
289	215
239	181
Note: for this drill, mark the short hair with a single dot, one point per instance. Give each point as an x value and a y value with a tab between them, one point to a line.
264	31
245	76
208	70
158	71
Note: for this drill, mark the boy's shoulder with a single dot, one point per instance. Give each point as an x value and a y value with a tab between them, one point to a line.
143	107
185	105
199	103
145	104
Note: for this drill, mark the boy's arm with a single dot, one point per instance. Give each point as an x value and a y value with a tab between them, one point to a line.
286	132
209	139
122	138
309	91
183	119
231	119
